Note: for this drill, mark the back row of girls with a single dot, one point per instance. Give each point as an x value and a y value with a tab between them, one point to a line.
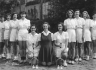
81	30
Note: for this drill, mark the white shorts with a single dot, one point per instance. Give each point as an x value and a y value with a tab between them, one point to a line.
13	35
79	36
87	35
6	34
72	35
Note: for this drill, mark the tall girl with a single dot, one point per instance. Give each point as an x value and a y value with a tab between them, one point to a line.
61	39
79	34
13	35
2	37
7	36
46	54
71	27
93	31
87	34
23	26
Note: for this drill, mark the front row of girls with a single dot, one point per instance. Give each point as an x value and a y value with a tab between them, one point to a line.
82	35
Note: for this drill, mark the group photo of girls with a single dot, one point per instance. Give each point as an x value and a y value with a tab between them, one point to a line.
74	41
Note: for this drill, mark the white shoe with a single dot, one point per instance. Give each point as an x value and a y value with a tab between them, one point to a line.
58	67
87	58
94	57
15	58
65	64
36	66
72	62
3	55
61	67
76	59
8	56
80	59
33	66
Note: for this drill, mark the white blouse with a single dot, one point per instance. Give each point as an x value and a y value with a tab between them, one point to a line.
70	24
60	38
31	39
7	24
1	25
88	24
14	23
80	22
23	25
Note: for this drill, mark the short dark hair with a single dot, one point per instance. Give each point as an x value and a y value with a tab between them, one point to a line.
23	12
47	24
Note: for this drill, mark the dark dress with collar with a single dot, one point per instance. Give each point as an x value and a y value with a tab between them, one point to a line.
46	53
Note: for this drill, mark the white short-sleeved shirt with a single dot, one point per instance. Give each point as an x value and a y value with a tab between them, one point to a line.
7	24
80	22
46	34
70	24
88	24
60	38
1	25
14	24
31	39
23	25
93	30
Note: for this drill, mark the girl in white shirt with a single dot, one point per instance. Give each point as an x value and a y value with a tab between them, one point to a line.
79	34
2	37
70	25
33	45
87	34
23	27
7	30
93	31
13	35
61	42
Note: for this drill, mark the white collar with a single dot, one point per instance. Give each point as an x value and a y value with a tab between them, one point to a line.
46	33
34	34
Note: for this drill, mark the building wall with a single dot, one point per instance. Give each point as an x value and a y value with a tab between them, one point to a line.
33	11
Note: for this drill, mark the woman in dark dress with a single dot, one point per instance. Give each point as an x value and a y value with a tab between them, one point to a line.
46	54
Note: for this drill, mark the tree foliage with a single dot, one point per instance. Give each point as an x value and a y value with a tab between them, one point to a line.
60	7
6	6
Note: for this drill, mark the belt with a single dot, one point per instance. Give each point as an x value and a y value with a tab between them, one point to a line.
79	28
71	28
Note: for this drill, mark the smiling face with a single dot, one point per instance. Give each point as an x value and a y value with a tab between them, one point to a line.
15	16
60	27
70	14
77	13
2	18
8	17
23	16
45	26
94	16
33	29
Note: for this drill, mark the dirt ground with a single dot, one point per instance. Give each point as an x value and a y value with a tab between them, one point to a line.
84	65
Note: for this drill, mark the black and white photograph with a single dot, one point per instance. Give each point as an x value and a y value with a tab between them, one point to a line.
47	34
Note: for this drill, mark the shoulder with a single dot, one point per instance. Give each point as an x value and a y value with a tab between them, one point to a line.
56	33
82	18
27	20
